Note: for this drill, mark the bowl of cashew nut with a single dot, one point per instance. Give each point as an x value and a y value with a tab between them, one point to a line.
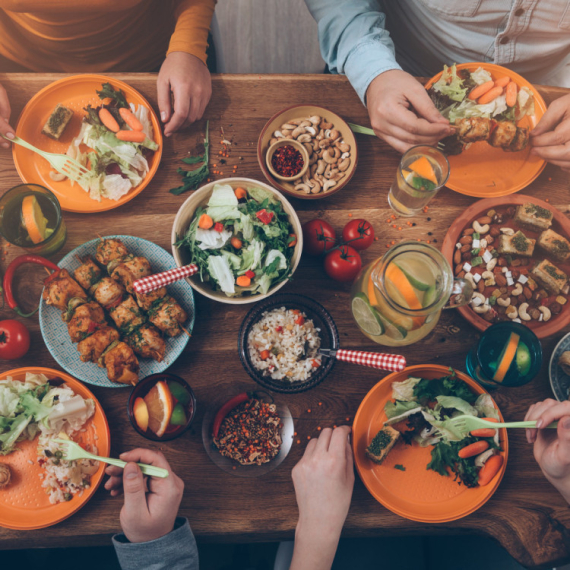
328	142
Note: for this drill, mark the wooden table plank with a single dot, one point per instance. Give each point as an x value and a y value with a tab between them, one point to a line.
526	514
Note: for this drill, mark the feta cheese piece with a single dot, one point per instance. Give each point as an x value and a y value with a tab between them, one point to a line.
523	279
466	267
477	277
476	301
486	300
483	243
510	281
541	317
476	244
504	269
487	256
458	245
508	274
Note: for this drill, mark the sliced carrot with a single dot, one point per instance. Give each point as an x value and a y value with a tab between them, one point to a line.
490	469
484	432
205	222
506	359
511	94
491	95
108	120
480	90
502	81
264	354
129	118
236	242
422	167
240	193
131	136
243	281
473	449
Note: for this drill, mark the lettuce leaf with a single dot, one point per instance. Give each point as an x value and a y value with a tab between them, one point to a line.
220	271
455	403
485	407
399	408
404	390
261	194
211	239
450	84
481	76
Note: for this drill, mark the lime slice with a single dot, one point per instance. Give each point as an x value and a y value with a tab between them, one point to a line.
429	296
365	316
523	359
414	281
178	417
392	330
179	392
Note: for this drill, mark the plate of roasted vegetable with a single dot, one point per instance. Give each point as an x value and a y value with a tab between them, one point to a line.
515	252
416	462
96	326
492	110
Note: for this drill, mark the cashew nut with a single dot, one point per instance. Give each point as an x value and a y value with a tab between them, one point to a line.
278	134
483	243
311	130
476	295
313	158
288	127
315	120
286	133
489	278
328	184
313	169
324	125
508	231
344	155
522	312
334	134
298	132
316	147
315	186
305	123
518	290
491	264
304	138
322	166
303	188
546	314
469	277
330	159
325	143
295	122
504	302
273	141
309	148
512	312
481	309
344	147
344	164
338	176
321	135
479	228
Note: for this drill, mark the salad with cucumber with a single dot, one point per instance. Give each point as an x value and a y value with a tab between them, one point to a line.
241	241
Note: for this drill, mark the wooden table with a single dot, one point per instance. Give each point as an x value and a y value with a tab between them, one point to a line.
526	514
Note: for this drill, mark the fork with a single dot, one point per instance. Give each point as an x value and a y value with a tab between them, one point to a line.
466	424
73	451
61	162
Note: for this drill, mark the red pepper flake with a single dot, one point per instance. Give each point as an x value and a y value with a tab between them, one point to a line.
295	433
547	199
298	441
375	239
319	428
347	419
394	226
219	227
308	437
334	427
320	403
550	180
350	215
287	161
400	228
309	410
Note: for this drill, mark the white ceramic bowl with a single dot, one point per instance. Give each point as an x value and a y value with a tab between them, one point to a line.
185	216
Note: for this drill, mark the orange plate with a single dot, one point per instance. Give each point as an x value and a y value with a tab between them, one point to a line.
76	93
416	493
561	224
24	505
486	172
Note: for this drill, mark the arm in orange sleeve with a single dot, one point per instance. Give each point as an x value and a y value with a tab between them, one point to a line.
192	27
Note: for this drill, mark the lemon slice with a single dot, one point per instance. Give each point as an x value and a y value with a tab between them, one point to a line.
365	316
33	219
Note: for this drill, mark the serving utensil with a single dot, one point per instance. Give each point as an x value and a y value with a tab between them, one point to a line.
158	280
73	451
379	360
61	162
465	424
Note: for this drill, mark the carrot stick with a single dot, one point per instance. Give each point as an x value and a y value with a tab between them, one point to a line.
243	281
236	242
131	136
490	469
480	90
130	119
240	193
108	120
491	95
503	81
511	92
205	222
483	432
473	449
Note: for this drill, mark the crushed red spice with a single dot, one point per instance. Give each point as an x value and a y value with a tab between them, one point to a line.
287	161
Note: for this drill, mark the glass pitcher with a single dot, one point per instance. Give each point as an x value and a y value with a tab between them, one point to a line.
397	299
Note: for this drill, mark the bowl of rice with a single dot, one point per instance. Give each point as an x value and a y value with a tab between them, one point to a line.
279	341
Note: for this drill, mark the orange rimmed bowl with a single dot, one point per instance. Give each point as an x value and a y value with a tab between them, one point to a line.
75	92
416	493
24	504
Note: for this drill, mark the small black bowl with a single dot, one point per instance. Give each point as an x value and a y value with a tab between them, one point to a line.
143	387
314	311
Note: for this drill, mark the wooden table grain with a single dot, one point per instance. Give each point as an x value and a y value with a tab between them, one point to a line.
526	515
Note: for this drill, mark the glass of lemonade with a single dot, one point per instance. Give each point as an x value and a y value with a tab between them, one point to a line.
507	354
397	299
30	217
422	172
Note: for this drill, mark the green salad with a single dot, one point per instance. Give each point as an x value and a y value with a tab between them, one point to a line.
242	241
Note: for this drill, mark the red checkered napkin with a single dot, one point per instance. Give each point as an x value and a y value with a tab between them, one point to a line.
152	282
391	362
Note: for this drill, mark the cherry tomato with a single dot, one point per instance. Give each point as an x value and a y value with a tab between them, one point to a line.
359	233
318	237
343	264
14	340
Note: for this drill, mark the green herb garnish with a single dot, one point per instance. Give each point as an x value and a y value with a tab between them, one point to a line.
109	92
191	179
423	184
400	467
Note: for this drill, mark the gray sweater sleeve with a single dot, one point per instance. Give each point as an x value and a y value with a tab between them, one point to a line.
174	551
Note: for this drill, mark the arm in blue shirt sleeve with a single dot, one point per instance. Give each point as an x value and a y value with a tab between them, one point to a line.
175	551
353	40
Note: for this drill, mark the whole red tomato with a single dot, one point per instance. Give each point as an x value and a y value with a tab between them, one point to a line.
359	233
14	340
318	237
343	264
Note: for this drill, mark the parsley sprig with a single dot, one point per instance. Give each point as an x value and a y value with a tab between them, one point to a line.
191	179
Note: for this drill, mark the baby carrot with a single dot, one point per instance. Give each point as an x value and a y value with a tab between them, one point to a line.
491	95
483	432
511	93
503	81
490	469
236	242
243	281
240	193
480	90
131	136
130	119
264	354
205	222
473	449
108	120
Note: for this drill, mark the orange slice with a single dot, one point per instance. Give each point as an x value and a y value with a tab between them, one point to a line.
422	167
507	357
159	404
140	411
404	287
33	219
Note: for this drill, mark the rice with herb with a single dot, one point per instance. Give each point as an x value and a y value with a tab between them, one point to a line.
284	345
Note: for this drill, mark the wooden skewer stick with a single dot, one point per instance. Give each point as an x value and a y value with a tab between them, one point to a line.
189	335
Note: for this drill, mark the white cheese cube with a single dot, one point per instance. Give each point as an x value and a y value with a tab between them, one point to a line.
477	277
487	256
483	243
504	269
486	301
476	244
466	267
510	281
458	245
476	301
523	279
508	274
541	317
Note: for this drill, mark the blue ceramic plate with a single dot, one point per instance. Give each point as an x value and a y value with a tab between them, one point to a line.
559	380
54	330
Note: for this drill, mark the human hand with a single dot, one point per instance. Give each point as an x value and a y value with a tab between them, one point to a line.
390	99
551	137
5	111
146	514
552	447
323	480
189	81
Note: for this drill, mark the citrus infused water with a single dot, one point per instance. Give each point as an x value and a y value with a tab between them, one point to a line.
422	172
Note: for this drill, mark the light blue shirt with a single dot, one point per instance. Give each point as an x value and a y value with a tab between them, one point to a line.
364	38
